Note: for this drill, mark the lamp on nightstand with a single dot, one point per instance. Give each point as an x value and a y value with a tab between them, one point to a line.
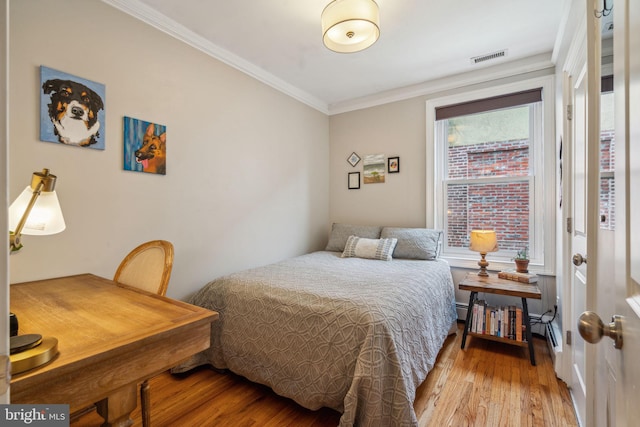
483	241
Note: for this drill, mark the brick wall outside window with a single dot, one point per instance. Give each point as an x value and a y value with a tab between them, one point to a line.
503	207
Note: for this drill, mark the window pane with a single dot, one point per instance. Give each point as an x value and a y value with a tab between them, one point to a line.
607	162
492	144
607	203
503	207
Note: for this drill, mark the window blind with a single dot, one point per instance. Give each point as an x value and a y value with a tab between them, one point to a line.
488	104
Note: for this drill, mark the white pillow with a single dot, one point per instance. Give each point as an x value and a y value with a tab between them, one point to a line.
361	247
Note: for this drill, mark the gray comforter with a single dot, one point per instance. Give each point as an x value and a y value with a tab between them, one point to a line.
355	335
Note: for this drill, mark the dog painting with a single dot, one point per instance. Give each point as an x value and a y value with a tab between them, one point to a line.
71	110
145	146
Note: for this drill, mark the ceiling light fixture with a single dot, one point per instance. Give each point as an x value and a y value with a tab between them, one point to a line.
350	25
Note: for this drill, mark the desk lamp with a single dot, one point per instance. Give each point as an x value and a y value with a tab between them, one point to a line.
483	241
35	212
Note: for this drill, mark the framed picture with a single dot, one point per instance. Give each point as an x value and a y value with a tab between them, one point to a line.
353	159
145	146
373	169
72	110
393	164
354	180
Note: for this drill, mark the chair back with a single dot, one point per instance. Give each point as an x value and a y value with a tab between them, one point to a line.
147	267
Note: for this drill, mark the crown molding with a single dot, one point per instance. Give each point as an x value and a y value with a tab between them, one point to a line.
148	15
500	71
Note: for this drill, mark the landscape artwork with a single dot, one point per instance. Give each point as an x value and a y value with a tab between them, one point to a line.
72	110
145	146
374	169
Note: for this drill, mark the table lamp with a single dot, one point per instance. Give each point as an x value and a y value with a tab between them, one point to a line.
483	241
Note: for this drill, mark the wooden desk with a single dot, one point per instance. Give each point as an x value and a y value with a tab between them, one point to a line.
110	338
494	285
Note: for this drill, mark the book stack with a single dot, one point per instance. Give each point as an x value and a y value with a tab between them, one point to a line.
504	322
518	277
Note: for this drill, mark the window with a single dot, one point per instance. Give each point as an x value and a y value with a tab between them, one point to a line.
489	155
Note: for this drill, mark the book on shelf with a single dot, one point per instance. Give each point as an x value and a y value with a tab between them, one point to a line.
504	322
518	277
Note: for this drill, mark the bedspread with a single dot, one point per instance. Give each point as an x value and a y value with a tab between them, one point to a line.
355	335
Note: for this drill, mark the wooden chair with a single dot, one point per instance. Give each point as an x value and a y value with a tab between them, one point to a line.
147	267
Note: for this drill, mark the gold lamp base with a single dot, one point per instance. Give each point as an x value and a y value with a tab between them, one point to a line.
34	357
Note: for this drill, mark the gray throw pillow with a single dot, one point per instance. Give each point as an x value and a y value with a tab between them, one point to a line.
341	232
414	243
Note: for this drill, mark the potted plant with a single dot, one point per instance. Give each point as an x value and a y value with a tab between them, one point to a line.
522	260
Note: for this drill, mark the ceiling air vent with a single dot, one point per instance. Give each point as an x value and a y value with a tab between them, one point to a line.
489	57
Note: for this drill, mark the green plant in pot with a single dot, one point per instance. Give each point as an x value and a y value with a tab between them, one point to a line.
522	260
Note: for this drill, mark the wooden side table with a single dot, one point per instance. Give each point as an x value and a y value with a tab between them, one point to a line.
494	285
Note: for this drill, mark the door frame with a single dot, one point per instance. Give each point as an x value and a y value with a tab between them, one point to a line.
4	187
576	57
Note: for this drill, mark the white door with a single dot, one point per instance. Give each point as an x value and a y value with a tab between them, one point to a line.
620	367
578	149
582	78
627	238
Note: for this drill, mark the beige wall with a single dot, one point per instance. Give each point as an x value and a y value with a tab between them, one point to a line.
247	166
247	176
396	129
399	129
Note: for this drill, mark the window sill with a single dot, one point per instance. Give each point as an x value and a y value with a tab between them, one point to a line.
494	266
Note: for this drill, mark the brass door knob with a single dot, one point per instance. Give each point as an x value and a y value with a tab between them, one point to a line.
592	329
578	259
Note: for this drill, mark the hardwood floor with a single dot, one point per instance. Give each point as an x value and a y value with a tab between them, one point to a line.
487	384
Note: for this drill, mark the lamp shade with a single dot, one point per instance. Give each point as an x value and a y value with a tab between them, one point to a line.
483	241
45	217
350	25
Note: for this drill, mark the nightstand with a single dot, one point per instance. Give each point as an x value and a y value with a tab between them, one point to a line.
494	285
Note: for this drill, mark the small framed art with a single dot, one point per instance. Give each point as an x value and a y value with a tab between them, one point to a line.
393	164
353	159
354	180
145	146
373	169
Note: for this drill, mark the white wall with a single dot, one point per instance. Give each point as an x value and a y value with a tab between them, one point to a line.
247	166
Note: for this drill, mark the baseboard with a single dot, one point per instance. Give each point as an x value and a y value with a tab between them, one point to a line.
554	341
462	310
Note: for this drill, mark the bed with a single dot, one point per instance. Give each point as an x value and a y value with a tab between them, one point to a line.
335	328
